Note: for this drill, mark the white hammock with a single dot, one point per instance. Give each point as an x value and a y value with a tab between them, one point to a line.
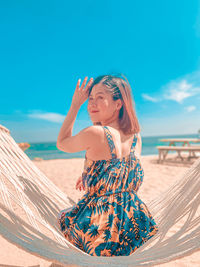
26	190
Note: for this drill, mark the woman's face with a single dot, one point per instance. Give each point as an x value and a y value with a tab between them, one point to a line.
101	107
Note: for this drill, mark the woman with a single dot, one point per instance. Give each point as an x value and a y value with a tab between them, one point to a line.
110	219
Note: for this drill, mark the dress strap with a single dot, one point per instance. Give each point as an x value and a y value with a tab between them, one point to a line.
134	142
110	142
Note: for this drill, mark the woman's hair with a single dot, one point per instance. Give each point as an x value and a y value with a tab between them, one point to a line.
119	87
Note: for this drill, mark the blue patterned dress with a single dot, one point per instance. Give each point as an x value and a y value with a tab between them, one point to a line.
110	219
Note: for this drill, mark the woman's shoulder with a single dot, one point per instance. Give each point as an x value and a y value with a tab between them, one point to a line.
139	140
139	137
138	147
95	131
93	128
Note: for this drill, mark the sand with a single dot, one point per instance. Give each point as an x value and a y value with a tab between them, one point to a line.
65	172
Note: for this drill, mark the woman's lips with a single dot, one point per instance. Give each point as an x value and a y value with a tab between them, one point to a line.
94	111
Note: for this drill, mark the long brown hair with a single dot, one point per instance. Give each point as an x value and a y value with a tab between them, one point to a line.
119	87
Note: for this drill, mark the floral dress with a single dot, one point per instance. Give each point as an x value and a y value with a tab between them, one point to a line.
110	219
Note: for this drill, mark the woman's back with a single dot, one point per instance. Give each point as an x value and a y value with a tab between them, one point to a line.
121	142
115	172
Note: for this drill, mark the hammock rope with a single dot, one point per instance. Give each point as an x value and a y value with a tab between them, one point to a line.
25	190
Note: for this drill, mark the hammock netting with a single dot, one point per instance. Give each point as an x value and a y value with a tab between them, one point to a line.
30	204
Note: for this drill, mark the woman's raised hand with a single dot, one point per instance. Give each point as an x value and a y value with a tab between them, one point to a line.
81	93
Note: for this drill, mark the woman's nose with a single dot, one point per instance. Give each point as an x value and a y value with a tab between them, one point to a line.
93	105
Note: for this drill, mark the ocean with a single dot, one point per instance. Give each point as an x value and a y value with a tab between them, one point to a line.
49	150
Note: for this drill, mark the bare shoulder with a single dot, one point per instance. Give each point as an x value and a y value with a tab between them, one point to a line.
94	129
97	134
94	132
138	147
139	138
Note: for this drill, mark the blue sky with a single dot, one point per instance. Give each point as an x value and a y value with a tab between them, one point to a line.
47	45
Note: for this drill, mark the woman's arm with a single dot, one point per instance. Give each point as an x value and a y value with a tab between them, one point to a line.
67	127
65	141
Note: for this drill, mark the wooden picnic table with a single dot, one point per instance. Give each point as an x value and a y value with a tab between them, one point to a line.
186	146
185	141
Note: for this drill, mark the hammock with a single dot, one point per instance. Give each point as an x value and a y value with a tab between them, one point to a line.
25	190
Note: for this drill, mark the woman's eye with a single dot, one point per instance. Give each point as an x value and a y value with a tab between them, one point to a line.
97	97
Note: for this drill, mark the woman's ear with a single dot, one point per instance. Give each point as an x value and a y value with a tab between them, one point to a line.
119	104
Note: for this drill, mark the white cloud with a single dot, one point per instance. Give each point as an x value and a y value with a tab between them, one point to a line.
48	116
190	108
150	98
178	91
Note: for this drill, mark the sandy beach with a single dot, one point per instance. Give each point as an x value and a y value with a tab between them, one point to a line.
64	174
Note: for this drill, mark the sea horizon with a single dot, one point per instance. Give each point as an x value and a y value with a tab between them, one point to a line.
48	150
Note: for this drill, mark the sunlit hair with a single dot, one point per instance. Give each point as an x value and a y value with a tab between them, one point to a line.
119	87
